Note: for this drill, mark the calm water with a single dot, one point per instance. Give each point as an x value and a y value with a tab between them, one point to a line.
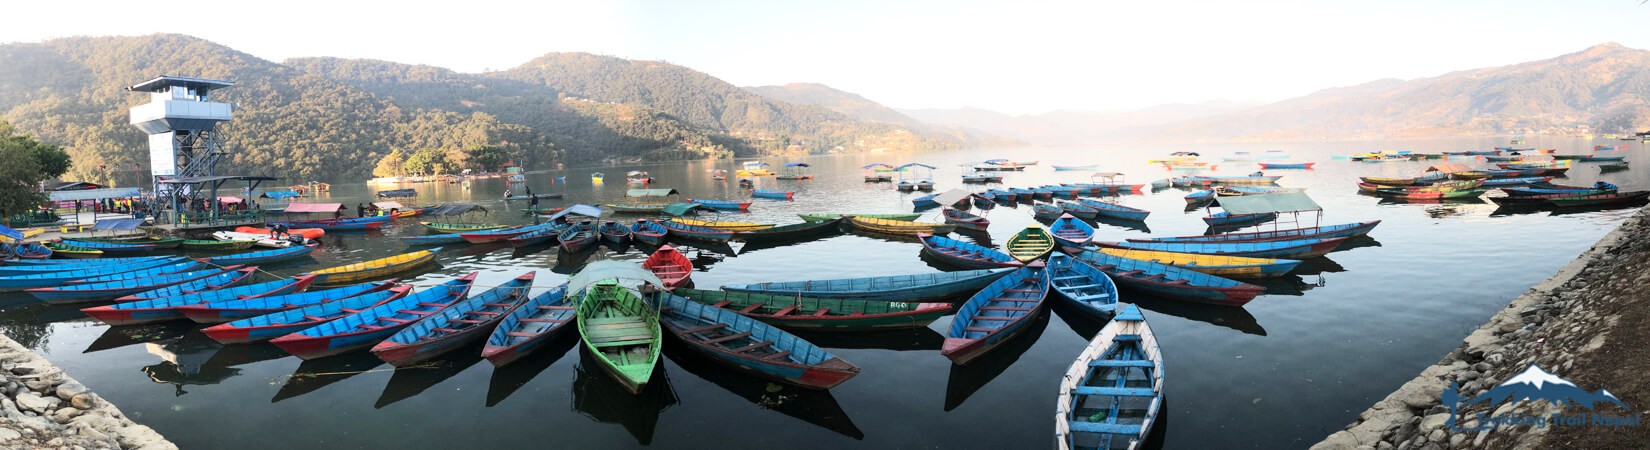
1291	367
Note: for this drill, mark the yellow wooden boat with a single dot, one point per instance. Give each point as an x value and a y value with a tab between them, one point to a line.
1030	244
377	268
1171	160
62	250
754	173
460	227
898	226
729	226
1225	266
27	233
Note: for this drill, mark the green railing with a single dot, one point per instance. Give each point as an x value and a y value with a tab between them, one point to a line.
212	219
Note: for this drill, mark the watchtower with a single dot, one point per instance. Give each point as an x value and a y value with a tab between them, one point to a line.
182	122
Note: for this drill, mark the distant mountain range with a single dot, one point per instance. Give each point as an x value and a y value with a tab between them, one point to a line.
1066	127
864	109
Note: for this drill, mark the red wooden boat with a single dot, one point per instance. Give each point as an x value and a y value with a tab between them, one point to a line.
670	265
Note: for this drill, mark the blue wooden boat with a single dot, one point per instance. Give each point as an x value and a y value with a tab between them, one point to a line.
1549	189
502	234
334	225
13	268
1076	209
996	314
748	345
540	235
434	239
1344	230
1113	392
1116	211
264	256
725	205
178	307
926	201
1228	220
1070	232
270	326
964	254
30	250
1162	183
1200	196
1046	211
222	309
1003	195
64	264
208	284
368	327
526	328
464	322
892	288
1022	195
1519	181
110	247
983	201
578	237
648	232
695	232
106	290
1231	179
1291	249
773	194
95	273
1170	281
614	233
1084	287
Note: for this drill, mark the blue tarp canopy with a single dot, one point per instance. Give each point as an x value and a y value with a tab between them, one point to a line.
877	165
580	209
279	194
994	161
916	165
797	165
398	193
10	233
453	210
117	224
93	194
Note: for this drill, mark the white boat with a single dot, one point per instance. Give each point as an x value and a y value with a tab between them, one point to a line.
263	239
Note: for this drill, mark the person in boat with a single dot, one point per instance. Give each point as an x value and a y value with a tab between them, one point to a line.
339	214
394	211
360	210
529	191
533	200
280	229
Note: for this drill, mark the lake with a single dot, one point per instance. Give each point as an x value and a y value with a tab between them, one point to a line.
1284	371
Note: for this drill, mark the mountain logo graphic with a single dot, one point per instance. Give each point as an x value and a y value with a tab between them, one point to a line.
1532	384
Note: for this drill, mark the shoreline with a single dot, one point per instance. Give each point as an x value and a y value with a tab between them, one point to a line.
1560	324
45	408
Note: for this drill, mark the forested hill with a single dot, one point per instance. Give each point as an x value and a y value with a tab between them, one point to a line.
331	119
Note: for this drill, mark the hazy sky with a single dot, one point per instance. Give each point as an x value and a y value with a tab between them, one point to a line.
1017	57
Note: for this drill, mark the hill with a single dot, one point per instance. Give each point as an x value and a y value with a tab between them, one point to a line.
859	107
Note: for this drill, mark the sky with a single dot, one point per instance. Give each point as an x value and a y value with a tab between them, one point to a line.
1021	57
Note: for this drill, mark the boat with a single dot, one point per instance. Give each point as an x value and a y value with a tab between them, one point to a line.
1030	244
26	266
1270	166
889	226
964	254
265	256
369	326
337	225
217	245
501	234
1230	179
159	243
996	314
208	284
1596	158
578	237
1613	167
821	314
789	232
106	290
1549	189
1116	211
726	205
723	225
1113	392
773	194
1046	211
63	250
672	267
1320	232
1072	168
891	288
1228	220
648	232
32	251
614	233
621	331
1171	282
96	273
377	268
694	233
1291	249
441	227
263	240
1504	182
522	330
269	326
1536	200
1225	266
540	235
465	321
1200	196
1430	194
135	309
1076	209
1084	287
271	298
1070	232
434	239
1615	198
964	219
749	345
821	217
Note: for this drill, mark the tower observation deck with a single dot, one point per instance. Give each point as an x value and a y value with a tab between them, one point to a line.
184	140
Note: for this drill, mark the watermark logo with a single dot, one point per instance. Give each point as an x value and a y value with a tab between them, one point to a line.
1537	384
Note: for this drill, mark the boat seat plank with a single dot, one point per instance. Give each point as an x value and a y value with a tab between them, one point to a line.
466	321
752	307
432	305
555	307
521	334
1003	308
443	330
787	310
728	337
753	347
484	313
1023	291
1005	319
1107	428
1114	391
777	356
1120	363
822	312
1126	338
722	304
533	320
394	320
647	340
716	326
981	329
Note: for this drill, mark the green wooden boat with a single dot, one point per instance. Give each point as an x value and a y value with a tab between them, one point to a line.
637	208
62	250
1030	244
160	243
460	227
821	217
821	314
217	245
622	331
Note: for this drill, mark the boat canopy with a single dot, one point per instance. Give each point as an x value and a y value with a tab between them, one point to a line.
995	161
682	208
580	209
951	197
877	166
628	274
1184	154
277	195
92	194
1105	175
1280	202
797	165
453	210
398	193
11	233
907	166
651	193
1448	168
118	224
230	200
389	205
313	207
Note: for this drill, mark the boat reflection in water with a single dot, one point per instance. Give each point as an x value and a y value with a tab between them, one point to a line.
1226	316
1288	284
1131	225
964	381
315	374
412	380
506	380
1354	242
602	399
815	407
899	339
121	336
184	362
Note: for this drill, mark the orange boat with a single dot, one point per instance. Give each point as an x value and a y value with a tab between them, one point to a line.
307	233
671	266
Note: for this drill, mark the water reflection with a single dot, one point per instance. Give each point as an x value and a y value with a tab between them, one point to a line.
964	381
1321	264
412	380
602	399
1357	242
315	374
1291	284
1130	225
185	361
816	407
506	380
1226	316
908	339
117	337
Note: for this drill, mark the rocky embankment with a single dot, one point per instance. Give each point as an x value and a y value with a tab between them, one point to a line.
45	409
1586	324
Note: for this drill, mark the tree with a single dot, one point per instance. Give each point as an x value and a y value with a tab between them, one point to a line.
390	165
488	157
425	160
27	163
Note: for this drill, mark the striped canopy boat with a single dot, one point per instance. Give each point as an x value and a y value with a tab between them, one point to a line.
1113	392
